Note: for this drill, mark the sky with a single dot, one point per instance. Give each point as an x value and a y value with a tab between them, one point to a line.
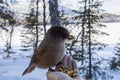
112	6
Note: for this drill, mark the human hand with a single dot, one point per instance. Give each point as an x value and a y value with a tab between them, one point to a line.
71	64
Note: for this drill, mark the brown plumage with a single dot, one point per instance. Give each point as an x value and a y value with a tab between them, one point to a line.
50	50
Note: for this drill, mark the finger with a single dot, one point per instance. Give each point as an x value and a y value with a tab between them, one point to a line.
74	65
75	68
64	60
69	62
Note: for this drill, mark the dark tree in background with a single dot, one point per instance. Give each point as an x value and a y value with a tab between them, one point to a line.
36	27
83	29
90	26
44	16
32	30
7	23
54	13
2	13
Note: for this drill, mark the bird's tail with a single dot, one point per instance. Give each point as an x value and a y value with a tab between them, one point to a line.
29	69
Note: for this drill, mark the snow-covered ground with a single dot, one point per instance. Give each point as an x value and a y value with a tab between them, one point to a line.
12	69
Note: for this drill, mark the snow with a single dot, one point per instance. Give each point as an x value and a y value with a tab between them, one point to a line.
113	29
115	73
12	69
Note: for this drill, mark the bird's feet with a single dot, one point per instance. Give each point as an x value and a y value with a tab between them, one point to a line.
52	70
57	66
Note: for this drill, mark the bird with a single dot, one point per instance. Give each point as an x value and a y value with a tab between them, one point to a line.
50	50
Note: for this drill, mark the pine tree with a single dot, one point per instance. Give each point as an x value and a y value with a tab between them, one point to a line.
91	29
2	13
89	17
32	30
8	20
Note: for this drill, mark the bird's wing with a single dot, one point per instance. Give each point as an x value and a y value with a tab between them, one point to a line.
46	49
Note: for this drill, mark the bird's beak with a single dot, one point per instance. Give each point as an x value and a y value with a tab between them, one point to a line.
71	37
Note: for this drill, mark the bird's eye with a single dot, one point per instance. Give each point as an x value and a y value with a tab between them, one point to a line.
71	37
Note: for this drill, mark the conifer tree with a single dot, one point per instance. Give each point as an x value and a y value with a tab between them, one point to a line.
7	20
89	17
32	30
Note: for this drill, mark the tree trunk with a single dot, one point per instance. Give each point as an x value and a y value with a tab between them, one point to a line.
54	13
11	34
89	34
44	17
83	31
36	42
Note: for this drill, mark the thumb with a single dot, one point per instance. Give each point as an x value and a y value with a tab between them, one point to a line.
57	76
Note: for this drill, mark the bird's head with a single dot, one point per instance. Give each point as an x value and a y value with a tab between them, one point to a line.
60	32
